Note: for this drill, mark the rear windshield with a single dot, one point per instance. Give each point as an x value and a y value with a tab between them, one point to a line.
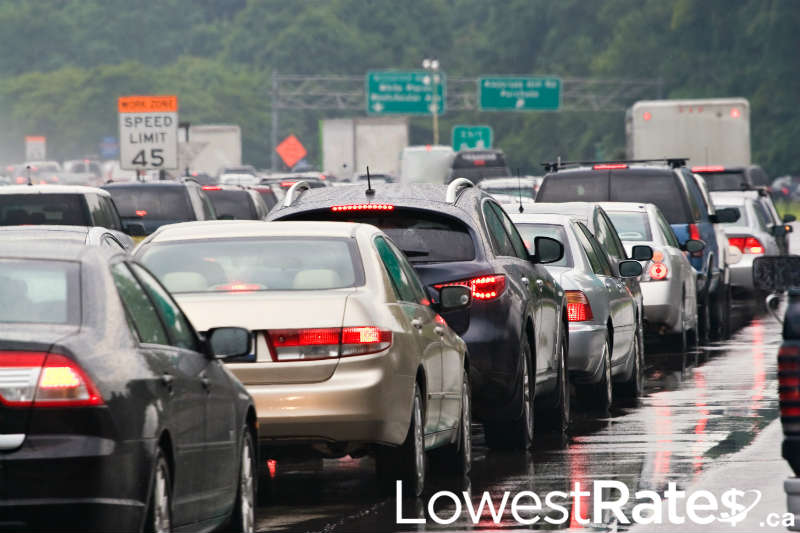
529	232
232	204
154	203
39	292
255	264
423	236
524	191
35	209
724	181
623	186
478	158
631	226
269	197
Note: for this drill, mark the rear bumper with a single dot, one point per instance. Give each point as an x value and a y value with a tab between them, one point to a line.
75	482
742	272
364	400
586	351
662	304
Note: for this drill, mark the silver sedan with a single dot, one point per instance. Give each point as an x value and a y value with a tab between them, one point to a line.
669	283
603	337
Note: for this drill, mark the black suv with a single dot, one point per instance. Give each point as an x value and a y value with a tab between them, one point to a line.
516	329
672	187
146	206
235	202
476	165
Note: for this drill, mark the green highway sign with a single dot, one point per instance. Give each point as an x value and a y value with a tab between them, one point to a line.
405	93
505	93
467	137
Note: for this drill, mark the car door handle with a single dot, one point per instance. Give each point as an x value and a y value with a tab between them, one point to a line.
525	281
166	380
417	323
540	284
439	330
206	383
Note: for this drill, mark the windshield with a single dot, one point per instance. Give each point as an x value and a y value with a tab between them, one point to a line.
152	203
530	231
423	236
36	209
724	181
232	204
39	292
631	226
254	264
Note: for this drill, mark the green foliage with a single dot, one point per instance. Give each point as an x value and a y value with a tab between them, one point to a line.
64	63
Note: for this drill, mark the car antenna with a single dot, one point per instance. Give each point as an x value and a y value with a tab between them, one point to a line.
28	174
519	190
370	190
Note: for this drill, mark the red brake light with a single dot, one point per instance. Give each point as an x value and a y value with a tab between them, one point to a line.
44	380
20	179
753	246
287	184
141	213
238	286
19	373
212	188
362	207
735	113
322	343
715	168
483	288
694	233
647	115
658	271
479	163
610	166
578	307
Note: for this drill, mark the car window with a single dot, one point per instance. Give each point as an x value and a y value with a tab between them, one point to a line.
695	192
111	213
666	230
400	280
530	231
209	213
663	189
141	312
606	234
47	208
39	292
96	211
501	243
411	275
516	241
600	253
178	328
631	225
594	261
763	217
233	204
152	202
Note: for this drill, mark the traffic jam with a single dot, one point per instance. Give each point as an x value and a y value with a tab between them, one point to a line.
433	341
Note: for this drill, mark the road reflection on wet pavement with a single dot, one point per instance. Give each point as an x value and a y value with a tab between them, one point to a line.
698	409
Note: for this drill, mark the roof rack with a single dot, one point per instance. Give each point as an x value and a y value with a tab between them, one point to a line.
297	187
455	186
555	166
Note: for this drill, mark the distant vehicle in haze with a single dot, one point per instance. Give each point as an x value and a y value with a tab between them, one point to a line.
241	169
112	171
713	131
84	166
525	186
426	164
211	148
477	165
350	145
721	178
235	202
267	195
238	179
88	235
786	188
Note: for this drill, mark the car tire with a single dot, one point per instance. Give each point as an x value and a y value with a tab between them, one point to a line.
457	456
599	396
159	508
243	518
407	462
557	417
517	434
721	315
633	387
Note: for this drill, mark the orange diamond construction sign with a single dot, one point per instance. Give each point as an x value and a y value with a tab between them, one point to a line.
291	151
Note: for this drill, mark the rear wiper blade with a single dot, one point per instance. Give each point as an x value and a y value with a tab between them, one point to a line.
416	253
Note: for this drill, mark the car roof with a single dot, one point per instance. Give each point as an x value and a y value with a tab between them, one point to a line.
642	169
213	229
541	218
502	182
46	230
576	209
129	184
66	250
52	189
624	206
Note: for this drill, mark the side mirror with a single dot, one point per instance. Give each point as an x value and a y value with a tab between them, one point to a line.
630	269
226	343
641	252
726	215
546	250
789	218
776	273
694	245
135	229
454	297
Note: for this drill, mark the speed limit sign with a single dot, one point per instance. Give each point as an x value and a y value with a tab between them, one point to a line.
148	132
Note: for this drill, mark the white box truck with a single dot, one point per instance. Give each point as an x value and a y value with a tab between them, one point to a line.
714	131
426	164
350	145
210	148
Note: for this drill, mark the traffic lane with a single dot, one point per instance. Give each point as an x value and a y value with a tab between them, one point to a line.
698	410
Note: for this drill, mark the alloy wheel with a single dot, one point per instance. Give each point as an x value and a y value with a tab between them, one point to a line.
246	489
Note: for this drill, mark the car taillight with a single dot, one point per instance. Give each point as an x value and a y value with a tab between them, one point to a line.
44	380
658	271
694	233
325	343
141	213
610	166
212	188
747	245
483	288
789	387
362	207
578	307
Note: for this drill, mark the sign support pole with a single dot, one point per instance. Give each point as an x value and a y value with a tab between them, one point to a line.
274	113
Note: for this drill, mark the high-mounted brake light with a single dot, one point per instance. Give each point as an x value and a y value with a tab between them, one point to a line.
212	188
44	380
239	286
141	213
362	207
324	343
707	168
479	163
483	288
735	113
287	184
578	307
610	166
647	116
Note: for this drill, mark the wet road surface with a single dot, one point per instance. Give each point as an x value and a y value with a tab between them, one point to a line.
698	409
